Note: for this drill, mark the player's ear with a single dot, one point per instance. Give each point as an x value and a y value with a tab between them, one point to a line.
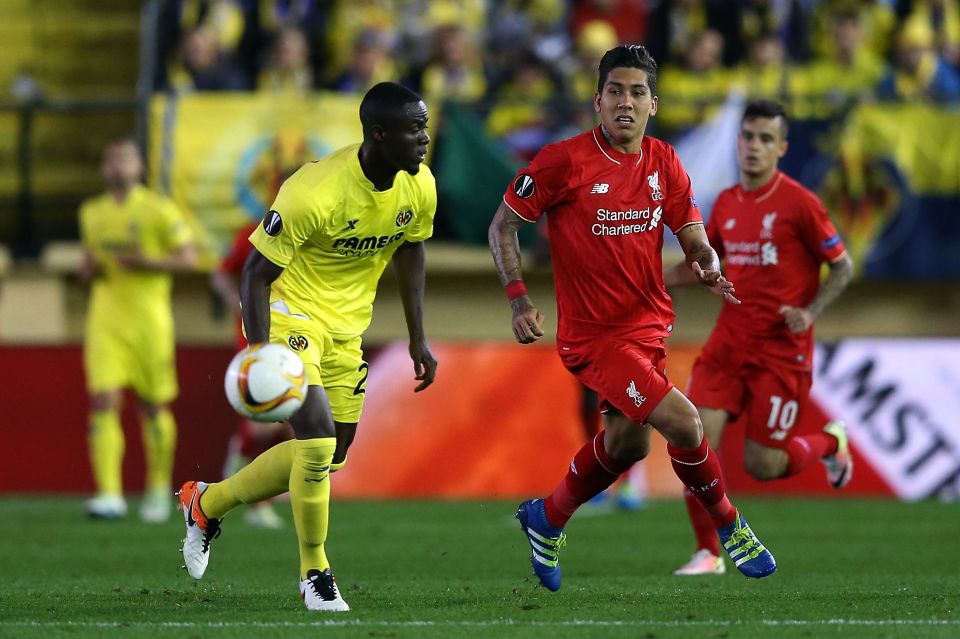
378	133
654	103
596	102
783	149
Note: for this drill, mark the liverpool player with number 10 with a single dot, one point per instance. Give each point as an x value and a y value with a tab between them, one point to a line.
607	194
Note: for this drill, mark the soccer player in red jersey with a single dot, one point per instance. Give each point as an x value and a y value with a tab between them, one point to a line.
607	194
773	235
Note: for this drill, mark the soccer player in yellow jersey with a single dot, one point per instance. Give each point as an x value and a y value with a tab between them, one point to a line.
134	239
309	283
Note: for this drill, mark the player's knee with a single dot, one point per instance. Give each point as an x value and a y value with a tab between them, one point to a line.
151	410
684	430
313	420
626	445
102	402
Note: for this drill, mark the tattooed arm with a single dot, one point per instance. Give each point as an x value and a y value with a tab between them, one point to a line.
702	262
502	236
800	319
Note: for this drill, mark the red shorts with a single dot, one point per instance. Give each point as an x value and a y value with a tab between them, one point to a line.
627	375
729	376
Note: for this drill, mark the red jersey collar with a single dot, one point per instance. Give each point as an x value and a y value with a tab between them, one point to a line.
617	157
765	191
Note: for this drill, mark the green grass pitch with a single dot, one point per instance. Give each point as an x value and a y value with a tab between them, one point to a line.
847	568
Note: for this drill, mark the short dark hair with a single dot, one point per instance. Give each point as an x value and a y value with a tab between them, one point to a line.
767	109
630	56
126	138
384	101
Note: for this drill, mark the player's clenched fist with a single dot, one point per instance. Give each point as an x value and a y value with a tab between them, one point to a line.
527	320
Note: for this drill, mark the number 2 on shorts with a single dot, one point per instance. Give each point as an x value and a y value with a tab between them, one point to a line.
365	369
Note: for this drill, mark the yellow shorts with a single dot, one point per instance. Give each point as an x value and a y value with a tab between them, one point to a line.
336	365
143	360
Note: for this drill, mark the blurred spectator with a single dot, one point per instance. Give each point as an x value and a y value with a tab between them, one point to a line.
420	19
764	74
595	39
759	17
288	67
202	66
877	21
305	14
523	113
919	72
673	24
224	20
943	18
627	17
455	71
696	89
832	82
350	27
369	64
517	27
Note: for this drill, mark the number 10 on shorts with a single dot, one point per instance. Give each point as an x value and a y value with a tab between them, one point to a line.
782	416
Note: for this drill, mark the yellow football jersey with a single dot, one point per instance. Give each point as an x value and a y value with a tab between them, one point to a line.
334	233
145	220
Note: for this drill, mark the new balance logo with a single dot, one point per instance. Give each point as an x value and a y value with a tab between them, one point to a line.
635	395
599	188
729	224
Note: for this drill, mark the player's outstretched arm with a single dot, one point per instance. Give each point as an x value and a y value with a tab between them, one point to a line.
409	263
258	274
800	319
502	237
703	263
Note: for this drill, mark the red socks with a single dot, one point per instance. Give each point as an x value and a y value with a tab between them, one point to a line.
803	451
699	470
703	528
591	472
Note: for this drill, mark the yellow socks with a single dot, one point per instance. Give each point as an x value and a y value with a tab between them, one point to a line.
310	499
303	466
266	476
159	444
106	451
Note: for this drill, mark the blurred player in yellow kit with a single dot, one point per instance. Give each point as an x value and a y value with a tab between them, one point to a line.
309	283
134	239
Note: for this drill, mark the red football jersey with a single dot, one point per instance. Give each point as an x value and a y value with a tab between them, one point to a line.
240	250
233	263
605	215
773	241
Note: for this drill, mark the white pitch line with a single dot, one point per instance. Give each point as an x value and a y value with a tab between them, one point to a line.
480	624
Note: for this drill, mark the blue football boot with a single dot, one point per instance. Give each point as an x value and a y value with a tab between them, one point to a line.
545	542
746	551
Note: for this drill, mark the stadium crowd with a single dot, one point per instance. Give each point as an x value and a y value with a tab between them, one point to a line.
525	63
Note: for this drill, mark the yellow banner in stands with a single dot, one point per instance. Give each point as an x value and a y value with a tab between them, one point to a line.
222	157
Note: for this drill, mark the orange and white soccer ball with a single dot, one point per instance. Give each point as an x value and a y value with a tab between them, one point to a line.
266	382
